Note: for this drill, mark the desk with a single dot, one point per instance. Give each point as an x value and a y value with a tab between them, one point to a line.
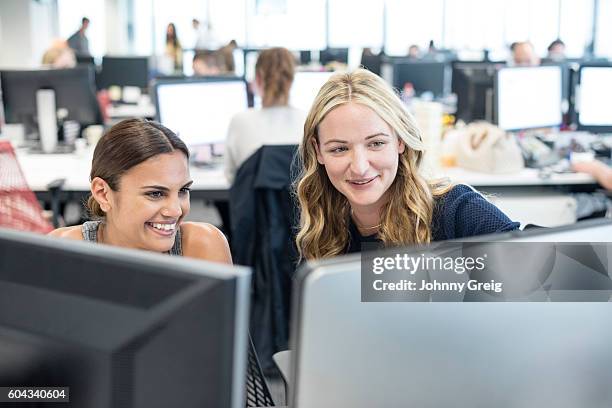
524	196
125	111
40	169
524	178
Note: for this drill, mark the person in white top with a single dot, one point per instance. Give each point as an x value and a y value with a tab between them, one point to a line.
276	123
205	38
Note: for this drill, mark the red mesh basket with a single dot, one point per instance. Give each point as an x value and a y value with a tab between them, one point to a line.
19	208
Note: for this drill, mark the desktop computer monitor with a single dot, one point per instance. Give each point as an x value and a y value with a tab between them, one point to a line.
74	90
334	55
125	71
592	98
85	59
473	84
305	87
425	76
305	57
529	97
121	328
200	110
346	352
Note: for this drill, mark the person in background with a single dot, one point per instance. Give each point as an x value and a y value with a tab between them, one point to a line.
361	178
59	55
78	41
174	51
523	54
556	50
208	63
414	51
204	35
227	51
139	199
276	122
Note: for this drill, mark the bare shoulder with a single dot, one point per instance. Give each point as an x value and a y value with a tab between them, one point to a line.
68	232
205	241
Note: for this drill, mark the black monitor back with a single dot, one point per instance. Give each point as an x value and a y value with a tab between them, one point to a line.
473	83
334	55
85	59
305	57
125	71
121	328
74	90
425	76
372	62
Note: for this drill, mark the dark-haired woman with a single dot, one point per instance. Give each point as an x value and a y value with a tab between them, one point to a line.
140	187
276	123
174	50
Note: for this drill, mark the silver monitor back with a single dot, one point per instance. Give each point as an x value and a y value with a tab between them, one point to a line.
352	354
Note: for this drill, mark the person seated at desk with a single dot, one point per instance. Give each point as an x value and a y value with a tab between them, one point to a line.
208	63
523	54
360	181
276	123
556	50
140	195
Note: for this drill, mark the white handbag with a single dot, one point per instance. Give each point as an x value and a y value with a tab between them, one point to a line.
486	148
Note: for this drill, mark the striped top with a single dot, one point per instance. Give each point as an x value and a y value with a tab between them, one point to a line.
90	233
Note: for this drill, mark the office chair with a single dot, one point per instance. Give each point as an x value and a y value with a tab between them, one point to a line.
262	214
19	208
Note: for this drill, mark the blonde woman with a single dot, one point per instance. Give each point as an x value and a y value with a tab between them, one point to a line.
360	180
276	122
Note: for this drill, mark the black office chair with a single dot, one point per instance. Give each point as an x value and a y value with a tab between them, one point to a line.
257	391
262	213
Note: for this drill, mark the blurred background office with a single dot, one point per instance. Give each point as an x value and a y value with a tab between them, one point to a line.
139	26
450	60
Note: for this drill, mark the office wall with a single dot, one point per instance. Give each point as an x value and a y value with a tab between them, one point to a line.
26	30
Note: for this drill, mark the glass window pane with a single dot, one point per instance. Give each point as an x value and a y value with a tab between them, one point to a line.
228	20
474	25
143	27
166	12
603	36
70	13
356	26
576	25
298	25
543	24
413	22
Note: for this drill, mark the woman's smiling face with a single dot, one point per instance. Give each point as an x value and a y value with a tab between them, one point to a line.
151	202
360	153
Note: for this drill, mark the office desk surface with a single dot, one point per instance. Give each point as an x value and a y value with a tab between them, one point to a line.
41	169
526	177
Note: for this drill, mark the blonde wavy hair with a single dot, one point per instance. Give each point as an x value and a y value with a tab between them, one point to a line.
324	212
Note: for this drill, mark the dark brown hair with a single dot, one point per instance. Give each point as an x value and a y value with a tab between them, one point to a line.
275	67
125	145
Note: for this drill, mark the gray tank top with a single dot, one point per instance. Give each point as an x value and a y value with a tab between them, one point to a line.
90	233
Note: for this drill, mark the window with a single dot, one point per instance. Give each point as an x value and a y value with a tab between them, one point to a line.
413	22
298	25
356	24
603	36
577	25
474	25
70	13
